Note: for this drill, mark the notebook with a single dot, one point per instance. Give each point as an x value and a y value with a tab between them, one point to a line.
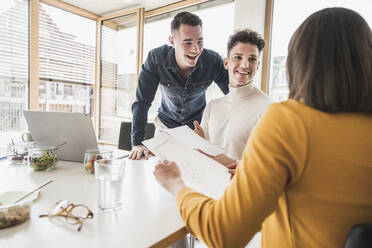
54	128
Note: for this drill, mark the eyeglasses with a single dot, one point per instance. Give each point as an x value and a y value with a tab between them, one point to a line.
74	214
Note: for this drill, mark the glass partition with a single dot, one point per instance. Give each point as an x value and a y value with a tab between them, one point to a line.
118	74
287	16
14	33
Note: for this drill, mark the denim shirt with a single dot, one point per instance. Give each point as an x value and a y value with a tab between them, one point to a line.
183	101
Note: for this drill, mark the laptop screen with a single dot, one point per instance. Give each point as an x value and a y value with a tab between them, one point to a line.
54	128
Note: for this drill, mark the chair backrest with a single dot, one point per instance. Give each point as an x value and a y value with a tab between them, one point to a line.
125	138
359	236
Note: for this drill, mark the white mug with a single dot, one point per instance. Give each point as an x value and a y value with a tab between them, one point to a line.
26	137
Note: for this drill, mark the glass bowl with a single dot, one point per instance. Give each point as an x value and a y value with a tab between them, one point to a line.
43	158
17	152
93	155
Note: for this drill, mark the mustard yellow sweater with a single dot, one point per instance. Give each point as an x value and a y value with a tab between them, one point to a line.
304	179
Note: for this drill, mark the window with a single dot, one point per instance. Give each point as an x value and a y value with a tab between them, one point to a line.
66	61
118	74
214	14
13	67
285	24
119	51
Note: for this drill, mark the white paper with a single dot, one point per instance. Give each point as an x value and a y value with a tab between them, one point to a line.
199	172
187	136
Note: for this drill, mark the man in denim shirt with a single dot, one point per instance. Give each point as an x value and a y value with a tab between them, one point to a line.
183	72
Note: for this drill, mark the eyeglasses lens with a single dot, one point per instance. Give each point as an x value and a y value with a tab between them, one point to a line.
58	207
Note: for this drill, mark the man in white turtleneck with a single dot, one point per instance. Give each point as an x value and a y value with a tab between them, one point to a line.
228	121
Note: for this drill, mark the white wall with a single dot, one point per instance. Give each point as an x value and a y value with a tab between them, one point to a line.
251	14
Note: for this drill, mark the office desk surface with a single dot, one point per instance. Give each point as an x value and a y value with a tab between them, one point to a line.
149	216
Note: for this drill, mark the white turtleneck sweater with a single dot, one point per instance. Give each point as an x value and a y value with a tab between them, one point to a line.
228	121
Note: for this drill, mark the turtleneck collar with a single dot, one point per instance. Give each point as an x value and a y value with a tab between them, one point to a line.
241	93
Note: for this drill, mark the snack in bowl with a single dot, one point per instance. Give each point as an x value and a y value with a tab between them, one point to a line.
92	155
43	158
15	213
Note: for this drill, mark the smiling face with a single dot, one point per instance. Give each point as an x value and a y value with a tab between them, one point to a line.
242	64
187	42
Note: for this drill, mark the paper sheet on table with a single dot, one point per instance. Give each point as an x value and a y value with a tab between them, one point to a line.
187	136
199	172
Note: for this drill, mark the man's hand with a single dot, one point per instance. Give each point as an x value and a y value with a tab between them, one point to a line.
138	151
198	129
221	158
224	160
232	168
168	175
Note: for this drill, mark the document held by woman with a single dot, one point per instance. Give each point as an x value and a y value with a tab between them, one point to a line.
198	171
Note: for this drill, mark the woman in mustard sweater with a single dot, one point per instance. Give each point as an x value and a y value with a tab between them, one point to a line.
305	177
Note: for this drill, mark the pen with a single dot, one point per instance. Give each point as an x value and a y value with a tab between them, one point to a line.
29	193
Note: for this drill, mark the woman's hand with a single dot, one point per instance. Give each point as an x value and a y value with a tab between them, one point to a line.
168	175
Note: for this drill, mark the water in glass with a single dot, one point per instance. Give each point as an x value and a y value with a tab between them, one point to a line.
109	191
109	176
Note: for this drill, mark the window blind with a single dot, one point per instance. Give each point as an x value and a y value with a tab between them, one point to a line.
66	61
13	64
61	55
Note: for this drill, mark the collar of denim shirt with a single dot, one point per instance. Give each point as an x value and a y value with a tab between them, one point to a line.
171	63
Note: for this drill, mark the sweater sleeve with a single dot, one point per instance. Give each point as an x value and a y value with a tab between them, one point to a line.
274	157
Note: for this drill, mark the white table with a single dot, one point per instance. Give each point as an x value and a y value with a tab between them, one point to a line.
149	216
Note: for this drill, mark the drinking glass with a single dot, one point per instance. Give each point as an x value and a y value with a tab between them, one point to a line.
92	155
18	152
109	175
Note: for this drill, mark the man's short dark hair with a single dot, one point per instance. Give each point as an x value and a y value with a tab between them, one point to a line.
186	18
245	36
329	63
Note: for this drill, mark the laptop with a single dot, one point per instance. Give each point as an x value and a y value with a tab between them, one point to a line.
54	128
